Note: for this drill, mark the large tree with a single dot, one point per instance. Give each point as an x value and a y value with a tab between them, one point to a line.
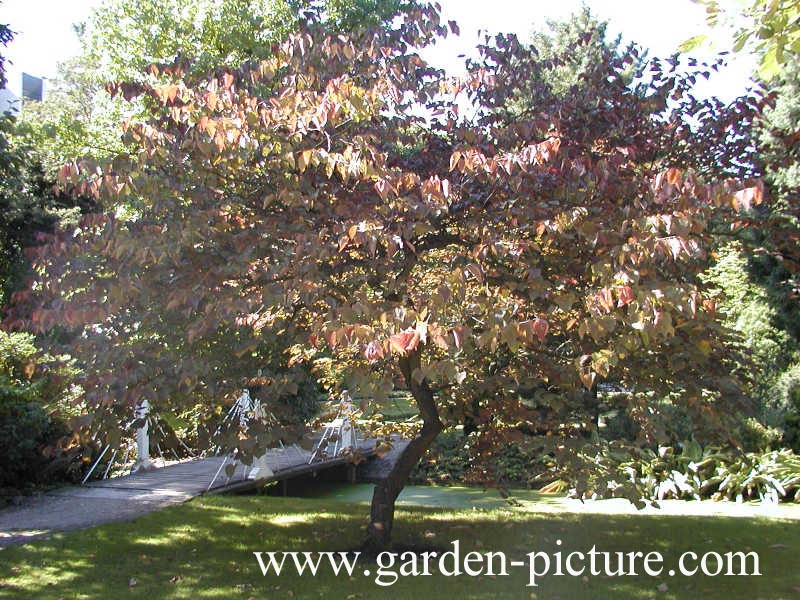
467	263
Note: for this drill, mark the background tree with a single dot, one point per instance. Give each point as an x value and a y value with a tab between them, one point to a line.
121	39
774	265
770	28
6	35
28	204
77	118
767	319
779	156
35	389
755	306
764	267
573	49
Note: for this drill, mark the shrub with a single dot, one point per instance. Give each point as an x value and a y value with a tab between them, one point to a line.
450	461
783	406
446	462
768	476
30	421
685	471
756	437
695	472
25	430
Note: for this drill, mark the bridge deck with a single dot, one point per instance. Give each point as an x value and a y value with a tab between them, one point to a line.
195	477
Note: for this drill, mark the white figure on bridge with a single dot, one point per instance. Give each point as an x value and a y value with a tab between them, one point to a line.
347	432
143	462
339	435
244	406
251	409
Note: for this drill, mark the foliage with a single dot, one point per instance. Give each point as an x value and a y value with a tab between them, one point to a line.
574	62
769	27
29	207
692	471
35	392
553	250
783	406
79	119
122	39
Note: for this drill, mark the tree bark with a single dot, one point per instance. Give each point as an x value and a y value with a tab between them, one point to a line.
379	531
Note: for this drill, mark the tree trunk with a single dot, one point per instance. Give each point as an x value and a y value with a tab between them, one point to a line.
386	491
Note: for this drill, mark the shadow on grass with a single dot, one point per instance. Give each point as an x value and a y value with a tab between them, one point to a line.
205	550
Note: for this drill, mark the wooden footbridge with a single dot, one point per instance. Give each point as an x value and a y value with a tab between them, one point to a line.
210	475
334	447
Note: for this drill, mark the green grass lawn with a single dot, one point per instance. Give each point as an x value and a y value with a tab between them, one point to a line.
203	549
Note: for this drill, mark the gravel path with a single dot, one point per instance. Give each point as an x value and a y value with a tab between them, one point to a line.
71	508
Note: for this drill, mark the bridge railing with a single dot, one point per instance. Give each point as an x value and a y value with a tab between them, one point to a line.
338	435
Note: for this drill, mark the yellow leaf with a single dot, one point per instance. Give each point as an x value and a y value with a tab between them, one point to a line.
303	159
